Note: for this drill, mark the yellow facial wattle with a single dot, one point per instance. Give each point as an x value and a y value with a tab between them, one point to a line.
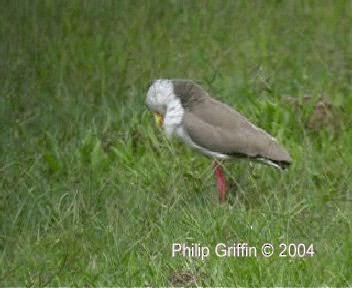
159	119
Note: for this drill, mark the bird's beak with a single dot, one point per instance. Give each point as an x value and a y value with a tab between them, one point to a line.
158	118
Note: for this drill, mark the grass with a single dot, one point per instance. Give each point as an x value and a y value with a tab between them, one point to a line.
92	193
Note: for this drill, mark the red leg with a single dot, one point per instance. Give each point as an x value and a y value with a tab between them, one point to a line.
221	182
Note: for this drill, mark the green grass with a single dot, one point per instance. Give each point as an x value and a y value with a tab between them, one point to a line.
92	192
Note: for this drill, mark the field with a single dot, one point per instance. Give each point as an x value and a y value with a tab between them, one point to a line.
93	193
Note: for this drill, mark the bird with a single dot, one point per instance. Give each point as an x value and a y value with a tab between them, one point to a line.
189	113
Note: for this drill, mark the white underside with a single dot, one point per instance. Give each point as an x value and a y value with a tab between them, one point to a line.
269	162
181	133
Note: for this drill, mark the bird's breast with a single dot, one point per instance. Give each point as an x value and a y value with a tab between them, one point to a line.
173	117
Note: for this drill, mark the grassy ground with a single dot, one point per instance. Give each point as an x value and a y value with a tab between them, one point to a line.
92	193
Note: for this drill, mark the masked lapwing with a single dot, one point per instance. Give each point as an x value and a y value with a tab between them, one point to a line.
188	112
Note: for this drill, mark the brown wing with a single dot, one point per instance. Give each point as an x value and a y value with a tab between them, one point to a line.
219	128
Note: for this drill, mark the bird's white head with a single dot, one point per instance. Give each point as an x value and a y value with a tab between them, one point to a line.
159	95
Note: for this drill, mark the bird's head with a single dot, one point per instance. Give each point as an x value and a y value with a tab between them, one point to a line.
159	95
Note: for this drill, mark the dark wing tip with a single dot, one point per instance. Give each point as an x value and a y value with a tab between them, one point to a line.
282	164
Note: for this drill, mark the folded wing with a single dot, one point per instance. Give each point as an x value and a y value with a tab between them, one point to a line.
219	128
